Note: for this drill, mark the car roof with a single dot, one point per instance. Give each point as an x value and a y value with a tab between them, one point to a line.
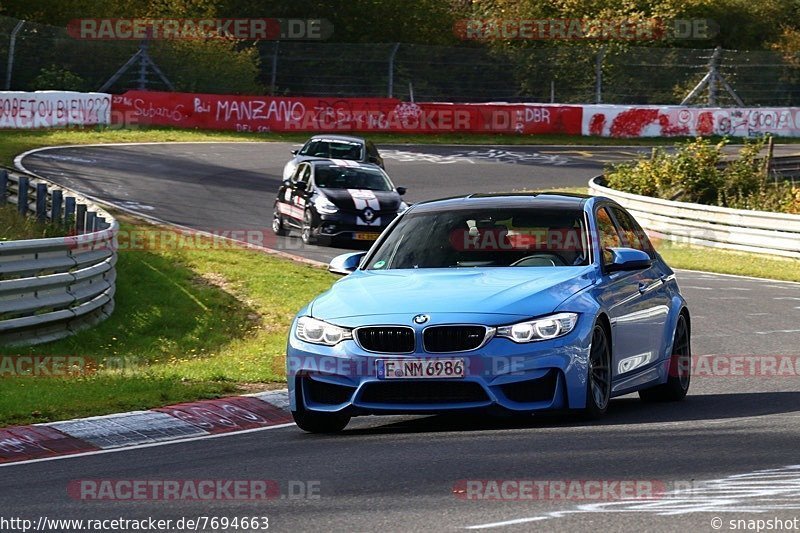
538	200
334	137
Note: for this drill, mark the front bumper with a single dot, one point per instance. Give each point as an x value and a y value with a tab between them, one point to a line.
349	226
501	375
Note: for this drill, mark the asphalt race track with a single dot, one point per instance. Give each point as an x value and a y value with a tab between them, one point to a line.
729	451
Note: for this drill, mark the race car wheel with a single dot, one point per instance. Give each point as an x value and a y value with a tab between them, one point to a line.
598	383
307	229
277	222
680	373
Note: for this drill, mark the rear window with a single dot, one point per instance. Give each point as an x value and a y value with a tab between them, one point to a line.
334	149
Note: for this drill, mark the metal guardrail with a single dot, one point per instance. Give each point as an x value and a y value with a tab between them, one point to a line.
786	166
51	288
707	225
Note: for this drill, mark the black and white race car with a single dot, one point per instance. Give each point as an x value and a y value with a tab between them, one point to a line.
327	199
331	146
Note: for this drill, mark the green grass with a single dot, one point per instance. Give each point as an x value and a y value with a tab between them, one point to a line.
729	262
16	227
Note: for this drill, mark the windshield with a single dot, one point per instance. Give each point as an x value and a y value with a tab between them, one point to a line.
341	177
334	149
485	238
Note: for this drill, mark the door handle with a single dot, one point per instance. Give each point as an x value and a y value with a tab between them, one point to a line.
643	285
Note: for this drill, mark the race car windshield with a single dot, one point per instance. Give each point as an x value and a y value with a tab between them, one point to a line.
485	238
335	177
333	149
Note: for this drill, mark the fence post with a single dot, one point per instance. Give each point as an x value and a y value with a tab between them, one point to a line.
80	218
69	211
91	220
390	90
713	78
3	186
598	75
22	195
55	210
12	46
41	202
274	75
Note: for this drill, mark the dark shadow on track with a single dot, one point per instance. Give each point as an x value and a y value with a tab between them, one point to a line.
622	411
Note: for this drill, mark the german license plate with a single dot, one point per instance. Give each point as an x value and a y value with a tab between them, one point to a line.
365	236
420	368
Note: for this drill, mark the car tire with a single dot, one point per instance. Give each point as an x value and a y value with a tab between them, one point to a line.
680	368
598	381
313	422
278	226
307	229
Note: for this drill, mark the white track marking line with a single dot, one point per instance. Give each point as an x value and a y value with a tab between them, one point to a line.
774	489
751	278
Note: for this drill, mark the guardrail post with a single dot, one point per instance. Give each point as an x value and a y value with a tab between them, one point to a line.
41	202
3	186
22	195
91	220
69	211
390	90
598	75
55	210
80	218
274	74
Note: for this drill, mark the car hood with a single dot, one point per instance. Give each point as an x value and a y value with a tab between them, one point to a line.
520	291
360	199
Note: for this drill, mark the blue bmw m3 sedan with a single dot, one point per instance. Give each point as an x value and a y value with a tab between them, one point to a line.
514	303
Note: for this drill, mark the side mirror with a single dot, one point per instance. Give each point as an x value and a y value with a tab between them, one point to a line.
287	183
294	152
401	190
628	259
346	263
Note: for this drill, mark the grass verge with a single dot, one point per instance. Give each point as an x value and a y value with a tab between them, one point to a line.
729	262
15	227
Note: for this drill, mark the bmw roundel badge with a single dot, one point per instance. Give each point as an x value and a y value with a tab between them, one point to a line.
421	319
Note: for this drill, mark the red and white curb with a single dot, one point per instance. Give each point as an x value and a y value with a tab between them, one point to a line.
138	428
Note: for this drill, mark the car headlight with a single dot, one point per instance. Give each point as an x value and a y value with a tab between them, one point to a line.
325	206
548	327
288	170
318	332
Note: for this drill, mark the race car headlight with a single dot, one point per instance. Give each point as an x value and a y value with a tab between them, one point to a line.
548	327
288	170
325	206
318	332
